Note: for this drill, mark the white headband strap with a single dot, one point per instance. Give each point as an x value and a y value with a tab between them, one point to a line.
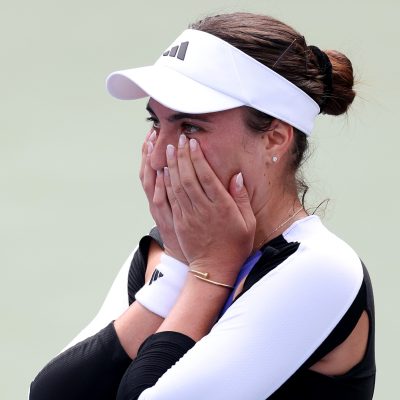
202	73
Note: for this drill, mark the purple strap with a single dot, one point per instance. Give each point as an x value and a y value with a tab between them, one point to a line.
244	271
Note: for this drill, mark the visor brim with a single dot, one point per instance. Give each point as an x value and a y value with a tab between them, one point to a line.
170	88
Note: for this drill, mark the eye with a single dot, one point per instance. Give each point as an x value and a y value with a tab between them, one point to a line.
155	121
189	129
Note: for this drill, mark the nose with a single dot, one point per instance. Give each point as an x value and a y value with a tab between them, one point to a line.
158	158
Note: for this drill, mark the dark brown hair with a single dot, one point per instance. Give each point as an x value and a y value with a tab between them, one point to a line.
284	50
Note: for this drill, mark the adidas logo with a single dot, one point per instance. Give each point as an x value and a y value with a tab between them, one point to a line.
178	51
156	274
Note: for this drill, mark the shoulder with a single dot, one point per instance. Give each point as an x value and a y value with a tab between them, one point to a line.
321	277
323	254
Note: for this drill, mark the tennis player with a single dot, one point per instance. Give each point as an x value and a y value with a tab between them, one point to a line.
238	292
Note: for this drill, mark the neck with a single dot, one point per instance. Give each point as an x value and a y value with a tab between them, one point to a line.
276	215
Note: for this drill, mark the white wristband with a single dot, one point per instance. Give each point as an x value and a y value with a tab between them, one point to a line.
160	294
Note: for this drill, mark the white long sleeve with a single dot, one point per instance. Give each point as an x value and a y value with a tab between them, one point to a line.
268	333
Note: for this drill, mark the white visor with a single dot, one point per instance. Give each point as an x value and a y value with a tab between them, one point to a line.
201	73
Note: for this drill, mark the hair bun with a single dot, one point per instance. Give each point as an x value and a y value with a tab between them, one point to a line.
342	93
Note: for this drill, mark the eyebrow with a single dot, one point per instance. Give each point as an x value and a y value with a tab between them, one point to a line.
179	116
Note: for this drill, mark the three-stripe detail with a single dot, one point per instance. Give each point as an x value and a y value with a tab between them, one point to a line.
178	51
156	274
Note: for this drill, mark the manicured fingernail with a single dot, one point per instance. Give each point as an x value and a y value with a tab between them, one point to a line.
166	171
170	151
159	172
182	141
193	144
153	136
239	182
149	147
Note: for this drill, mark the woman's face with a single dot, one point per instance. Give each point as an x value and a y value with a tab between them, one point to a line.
227	143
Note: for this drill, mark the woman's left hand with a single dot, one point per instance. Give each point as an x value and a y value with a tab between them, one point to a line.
215	227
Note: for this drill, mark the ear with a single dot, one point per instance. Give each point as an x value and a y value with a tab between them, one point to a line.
278	140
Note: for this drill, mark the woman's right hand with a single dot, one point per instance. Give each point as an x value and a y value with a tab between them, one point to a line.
160	209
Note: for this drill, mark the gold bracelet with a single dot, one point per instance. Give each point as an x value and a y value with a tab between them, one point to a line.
204	275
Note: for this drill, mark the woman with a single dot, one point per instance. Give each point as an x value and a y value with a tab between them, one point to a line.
246	295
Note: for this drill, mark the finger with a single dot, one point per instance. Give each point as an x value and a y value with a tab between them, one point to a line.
174	175
143	161
176	209
149	175
150	136
187	174
210	183
160	199
241	198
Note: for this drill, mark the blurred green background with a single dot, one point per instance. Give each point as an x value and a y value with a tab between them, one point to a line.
71	205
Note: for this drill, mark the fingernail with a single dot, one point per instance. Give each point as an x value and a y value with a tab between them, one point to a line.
166	171
153	136
149	147
159	172
170	151
193	144
182	141
239	182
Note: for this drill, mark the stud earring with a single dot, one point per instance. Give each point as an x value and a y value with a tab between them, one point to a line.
274	159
